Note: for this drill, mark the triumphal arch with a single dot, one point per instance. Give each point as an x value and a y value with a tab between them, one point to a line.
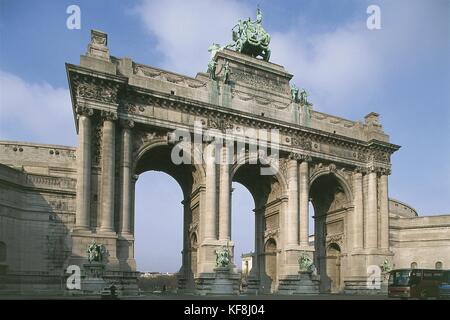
244	120
132	118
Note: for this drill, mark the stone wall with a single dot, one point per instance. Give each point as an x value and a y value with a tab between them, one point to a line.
420	240
37	210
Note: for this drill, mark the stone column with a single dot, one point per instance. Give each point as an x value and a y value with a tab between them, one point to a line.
187	219
210	196
372	211
83	169
384	210
134	179
125	171
358	211
259	243
292	215
224	198
304	203
108	171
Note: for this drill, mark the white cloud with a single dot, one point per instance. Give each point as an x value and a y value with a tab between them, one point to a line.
331	65
35	112
335	66
344	69
185	29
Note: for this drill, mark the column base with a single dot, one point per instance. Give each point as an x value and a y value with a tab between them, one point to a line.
359	286
81	229
106	232
225	282
126	235
253	285
93	281
127	265
185	284
220	282
302	283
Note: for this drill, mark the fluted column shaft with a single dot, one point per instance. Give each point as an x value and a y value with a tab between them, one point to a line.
372	211
210	195
83	169
108	172
134	179
304	203
384	211
358	213
126	177
292	216
259	242
224	198
187	219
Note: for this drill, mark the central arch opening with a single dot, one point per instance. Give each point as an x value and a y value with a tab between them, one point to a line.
243	230
163	241
330	199
266	192
158	230
158	223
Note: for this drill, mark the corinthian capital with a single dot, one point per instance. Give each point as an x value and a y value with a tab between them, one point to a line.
84	111
379	170
294	156
360	170
306	158
127	123
299	157
109	115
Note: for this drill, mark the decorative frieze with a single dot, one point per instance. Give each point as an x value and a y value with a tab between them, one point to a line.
379	155
104	92
52	182
302	142
258	81
221	124
146	71
86	87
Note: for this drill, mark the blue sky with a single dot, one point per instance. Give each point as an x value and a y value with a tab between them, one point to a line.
401	72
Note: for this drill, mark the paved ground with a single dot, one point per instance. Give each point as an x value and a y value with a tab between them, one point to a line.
267	297
194	297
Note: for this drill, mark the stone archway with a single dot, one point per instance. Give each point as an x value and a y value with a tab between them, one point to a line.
268	192
331	199
155	155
